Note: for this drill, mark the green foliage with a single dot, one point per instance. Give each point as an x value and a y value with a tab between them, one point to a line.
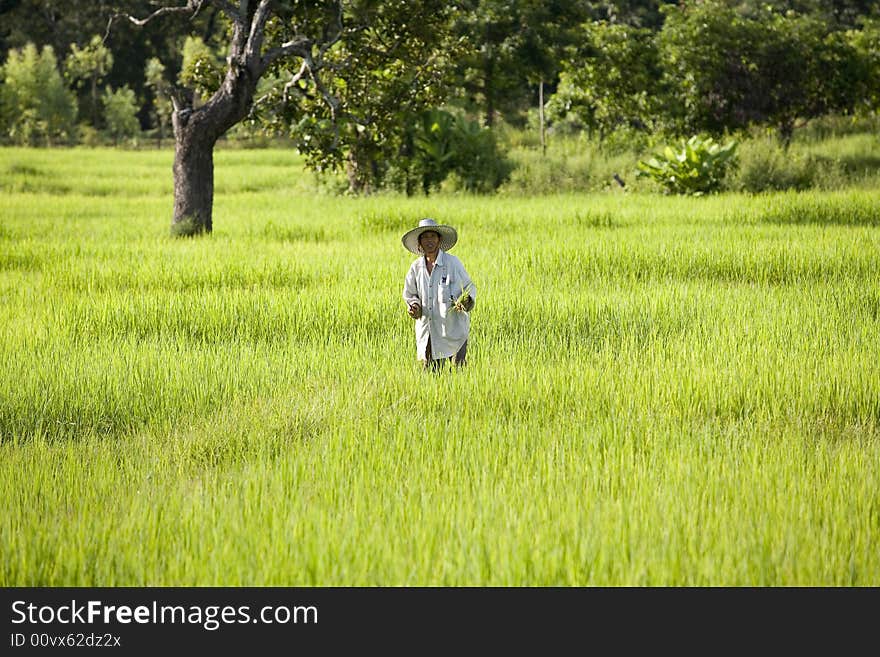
154	74
89	65
201	68
87	135
611	80
433	140
161	107
120	112
698	167
833	154
478	165
452	153
866	42
764	165
728	68
535	173
509	47
92	61
571	164
373	82
36	105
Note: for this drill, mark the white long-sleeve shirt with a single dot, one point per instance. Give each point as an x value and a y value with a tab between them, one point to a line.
436	292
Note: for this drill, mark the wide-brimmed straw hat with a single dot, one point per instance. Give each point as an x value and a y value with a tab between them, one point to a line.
448	236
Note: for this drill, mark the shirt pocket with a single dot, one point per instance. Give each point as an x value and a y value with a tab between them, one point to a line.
444	297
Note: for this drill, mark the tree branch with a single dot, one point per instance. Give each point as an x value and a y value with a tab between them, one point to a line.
293	80
192	7
301	46
258	27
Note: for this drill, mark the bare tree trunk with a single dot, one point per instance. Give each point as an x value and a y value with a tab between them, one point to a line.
786	131
196	131
354	171
94	101
541	115
193	181
489	89
489	77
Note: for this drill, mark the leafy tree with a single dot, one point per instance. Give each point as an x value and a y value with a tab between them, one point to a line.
611	79
444	144
511	47
706	51
842	74
62	23
841	14
381	76
866	43
154	73
89	65
637	13
727	68
120	112
350	69
36	104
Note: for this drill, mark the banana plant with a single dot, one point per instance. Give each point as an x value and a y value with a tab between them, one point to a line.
696	168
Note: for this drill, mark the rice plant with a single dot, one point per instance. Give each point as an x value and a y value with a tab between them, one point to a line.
685	393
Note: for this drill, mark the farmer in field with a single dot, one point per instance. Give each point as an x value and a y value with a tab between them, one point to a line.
439	294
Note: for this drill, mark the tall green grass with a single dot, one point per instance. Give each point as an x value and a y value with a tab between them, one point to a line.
660	391
829	156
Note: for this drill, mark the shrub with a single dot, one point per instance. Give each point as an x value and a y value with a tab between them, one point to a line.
87	135
87	66
434	143
570	165
449	152
478	165
534	173
120	112
763	165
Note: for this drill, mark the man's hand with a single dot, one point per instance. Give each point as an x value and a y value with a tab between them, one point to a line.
414	310
464	305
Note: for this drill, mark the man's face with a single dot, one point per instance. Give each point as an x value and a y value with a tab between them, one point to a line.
429	241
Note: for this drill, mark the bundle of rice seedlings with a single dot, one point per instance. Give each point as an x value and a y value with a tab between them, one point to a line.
459	303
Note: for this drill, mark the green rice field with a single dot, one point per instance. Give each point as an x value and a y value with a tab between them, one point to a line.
660	391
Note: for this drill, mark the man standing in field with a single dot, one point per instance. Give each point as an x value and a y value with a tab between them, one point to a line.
439	294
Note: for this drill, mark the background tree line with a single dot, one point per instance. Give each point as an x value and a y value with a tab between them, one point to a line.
429	111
